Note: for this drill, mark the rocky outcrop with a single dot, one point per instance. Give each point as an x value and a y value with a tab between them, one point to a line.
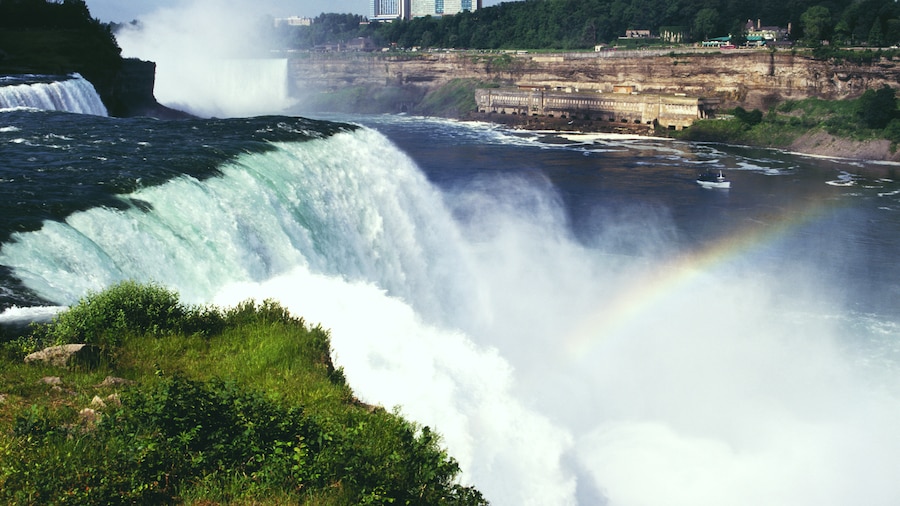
66	355
753	79
132	92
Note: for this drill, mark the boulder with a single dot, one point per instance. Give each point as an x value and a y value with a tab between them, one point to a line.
66	355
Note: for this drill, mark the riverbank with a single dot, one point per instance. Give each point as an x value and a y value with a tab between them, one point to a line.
880	157
433	83
826	145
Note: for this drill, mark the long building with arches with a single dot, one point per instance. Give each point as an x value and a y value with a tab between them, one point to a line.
623	106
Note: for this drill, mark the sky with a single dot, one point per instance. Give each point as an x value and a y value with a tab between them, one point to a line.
123	11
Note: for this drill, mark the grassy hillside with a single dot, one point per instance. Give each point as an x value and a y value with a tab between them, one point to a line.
872	117
201	405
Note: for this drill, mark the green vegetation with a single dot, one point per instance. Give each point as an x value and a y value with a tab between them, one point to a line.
455	99
872	116
213	406
581	24
44	37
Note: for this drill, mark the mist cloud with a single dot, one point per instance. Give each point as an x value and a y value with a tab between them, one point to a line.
212	58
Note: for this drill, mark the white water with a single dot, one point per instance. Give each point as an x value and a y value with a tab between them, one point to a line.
224	88
76	95
502	331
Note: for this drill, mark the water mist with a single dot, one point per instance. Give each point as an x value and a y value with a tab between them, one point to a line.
212	59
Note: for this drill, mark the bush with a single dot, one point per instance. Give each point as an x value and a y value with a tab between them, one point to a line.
751	118
128	308
876	109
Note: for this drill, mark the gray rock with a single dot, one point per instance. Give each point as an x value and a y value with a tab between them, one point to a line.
66	355
112	381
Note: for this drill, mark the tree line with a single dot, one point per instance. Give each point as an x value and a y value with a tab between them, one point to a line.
57	37
582	24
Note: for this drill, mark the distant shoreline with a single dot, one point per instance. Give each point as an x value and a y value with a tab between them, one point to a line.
876	155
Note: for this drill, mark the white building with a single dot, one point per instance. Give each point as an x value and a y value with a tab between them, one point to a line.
388	10
420	8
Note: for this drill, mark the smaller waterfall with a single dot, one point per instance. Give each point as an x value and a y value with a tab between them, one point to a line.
224	88
74	94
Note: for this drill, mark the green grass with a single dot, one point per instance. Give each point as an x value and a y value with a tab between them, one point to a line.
790	120
249	410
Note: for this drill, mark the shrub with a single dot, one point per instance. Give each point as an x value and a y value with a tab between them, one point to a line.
127	308
269	312
877	108
750	118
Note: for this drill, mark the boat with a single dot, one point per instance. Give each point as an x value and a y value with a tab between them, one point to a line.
713	179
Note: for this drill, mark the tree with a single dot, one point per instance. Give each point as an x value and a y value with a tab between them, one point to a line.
705	23
877	108
876	37
816	23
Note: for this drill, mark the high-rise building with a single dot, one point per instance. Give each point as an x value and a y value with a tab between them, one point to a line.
388	10
420	8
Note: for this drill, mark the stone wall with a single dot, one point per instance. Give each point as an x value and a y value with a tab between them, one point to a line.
749	78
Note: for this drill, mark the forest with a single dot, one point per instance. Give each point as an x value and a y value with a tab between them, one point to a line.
583	24
38	36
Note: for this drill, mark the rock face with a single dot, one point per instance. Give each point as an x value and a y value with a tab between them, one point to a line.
132	93
66	355
749	78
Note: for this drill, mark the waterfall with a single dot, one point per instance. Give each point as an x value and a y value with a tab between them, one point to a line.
74	94
224	88
556	372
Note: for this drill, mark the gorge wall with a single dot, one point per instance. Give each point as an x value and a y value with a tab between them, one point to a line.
752	79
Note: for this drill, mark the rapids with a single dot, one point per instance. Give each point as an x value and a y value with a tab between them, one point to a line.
73	94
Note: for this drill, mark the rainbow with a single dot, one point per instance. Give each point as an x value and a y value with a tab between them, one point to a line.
678	276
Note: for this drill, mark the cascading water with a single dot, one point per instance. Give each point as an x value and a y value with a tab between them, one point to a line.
619	370
339	206
74	94
224	88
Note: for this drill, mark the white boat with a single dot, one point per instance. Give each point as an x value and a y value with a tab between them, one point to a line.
713	179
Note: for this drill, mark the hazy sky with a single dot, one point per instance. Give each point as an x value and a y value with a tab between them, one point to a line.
127	10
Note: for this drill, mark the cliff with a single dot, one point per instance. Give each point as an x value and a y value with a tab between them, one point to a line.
131	92
751	79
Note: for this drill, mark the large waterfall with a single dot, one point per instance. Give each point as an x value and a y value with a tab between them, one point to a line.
558	372
73	94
